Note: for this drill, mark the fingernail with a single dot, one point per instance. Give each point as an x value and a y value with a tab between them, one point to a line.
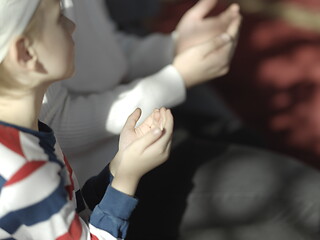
161	126
225	37
156	131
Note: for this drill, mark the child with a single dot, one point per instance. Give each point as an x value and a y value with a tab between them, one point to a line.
39	196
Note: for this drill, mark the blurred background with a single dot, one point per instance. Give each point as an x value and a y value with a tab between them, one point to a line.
273	87
274	81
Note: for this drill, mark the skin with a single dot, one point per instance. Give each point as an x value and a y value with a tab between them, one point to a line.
205	45
32	64
48	57
142	148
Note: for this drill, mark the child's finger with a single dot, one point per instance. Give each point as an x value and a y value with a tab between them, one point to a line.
168	147
163	118
145	141
169	120
169	128
156	118
132	119
149	121
162	143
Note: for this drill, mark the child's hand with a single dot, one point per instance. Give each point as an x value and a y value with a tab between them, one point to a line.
141	149
131	133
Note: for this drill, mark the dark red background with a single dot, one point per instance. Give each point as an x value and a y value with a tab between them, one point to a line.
274	81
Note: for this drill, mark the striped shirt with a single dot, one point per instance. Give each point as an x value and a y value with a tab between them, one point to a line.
39	193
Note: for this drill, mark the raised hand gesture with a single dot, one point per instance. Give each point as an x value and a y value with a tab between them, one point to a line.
195	27
141	148
205	46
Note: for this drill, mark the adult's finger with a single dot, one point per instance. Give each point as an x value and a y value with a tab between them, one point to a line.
202	8
214	44
226	17
234	27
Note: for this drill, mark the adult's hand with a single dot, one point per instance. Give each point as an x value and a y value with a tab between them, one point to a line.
205	61
195	27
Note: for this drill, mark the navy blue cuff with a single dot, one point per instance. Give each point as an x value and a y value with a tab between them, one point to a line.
117	203
94	188
113	212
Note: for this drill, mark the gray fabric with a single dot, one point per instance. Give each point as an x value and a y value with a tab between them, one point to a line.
131	14
124	11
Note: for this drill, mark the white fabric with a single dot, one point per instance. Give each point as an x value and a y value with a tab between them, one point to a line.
14	17
115	73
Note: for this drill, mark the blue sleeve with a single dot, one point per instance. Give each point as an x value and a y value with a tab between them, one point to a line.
113	212
94	189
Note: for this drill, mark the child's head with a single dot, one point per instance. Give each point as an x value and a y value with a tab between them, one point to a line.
36	43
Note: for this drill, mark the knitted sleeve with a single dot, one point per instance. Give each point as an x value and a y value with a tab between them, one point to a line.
81	121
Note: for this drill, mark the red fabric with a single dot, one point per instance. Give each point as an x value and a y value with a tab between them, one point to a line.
75	230
10	138
69	188
25	171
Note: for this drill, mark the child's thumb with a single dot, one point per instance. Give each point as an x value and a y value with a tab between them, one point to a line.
132	119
